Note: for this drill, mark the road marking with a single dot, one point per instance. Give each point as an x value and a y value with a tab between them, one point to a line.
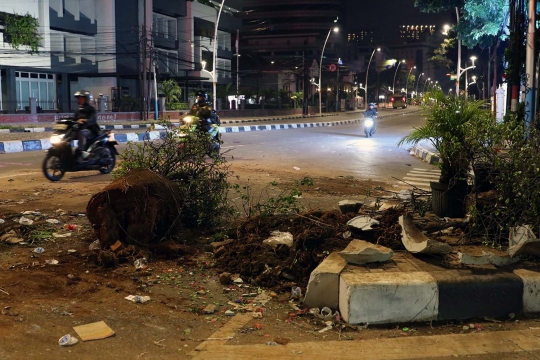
421	178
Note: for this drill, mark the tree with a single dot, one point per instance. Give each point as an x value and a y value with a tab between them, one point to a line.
22	30
440	54
223	92
171	91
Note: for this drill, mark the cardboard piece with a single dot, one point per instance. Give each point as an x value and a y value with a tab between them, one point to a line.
93	331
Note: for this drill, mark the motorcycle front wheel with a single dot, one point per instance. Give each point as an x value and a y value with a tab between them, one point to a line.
52	168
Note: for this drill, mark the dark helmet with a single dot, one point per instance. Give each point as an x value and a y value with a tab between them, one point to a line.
85	94
203	94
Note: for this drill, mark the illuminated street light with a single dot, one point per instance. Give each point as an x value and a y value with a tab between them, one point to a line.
367	71
394	82
334	29
406	85
424	88
417	80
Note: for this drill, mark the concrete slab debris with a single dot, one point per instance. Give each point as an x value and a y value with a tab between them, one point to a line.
361	252
323	286
527	246
347	206
416	242
519	234
363	223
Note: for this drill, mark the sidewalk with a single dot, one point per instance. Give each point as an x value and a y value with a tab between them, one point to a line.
37	138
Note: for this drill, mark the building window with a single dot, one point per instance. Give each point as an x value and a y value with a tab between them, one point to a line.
40	86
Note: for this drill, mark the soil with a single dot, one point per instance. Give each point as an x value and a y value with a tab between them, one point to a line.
42	300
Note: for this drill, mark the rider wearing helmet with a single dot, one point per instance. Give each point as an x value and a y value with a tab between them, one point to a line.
86	117
203	110
371	111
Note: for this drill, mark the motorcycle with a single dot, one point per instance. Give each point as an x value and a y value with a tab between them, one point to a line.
210	126
369	126
60	158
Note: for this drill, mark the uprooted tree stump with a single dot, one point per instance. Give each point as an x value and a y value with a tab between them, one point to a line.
140	208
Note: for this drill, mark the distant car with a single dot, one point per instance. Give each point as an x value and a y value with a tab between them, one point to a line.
398	100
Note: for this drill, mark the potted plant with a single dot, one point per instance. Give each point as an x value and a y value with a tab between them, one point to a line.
458	128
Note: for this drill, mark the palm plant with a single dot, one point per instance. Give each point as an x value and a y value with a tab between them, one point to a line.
172	91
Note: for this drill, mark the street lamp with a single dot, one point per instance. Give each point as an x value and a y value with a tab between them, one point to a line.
334	29
417	80
460	71
214	53
203	63
424	88
367	71
473	58
407	84
394	82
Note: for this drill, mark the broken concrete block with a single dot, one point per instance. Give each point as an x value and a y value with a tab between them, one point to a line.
363	223
469	259
502	260
347	206
323	286
279	238
519	234
528	246
361	252
416	242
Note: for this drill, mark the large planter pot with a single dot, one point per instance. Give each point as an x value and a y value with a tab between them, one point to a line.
449	201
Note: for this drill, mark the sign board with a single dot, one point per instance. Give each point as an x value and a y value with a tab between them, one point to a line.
332	67
453	77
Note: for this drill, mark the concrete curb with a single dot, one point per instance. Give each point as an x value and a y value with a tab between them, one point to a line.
415	293
44	144
429	156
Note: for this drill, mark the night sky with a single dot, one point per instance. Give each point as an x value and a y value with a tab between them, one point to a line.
381	15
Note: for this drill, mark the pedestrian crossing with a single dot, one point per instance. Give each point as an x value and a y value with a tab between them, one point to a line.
420	178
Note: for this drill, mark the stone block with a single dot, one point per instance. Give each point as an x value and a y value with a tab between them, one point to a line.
361	252
347	206
380	298
323	286
531	290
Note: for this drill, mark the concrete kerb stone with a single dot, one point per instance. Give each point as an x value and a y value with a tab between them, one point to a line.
323	286
531	290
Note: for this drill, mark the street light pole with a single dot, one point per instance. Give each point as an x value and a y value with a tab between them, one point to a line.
407	84
214	57
417	81
424	88
367	72
335	29
394	82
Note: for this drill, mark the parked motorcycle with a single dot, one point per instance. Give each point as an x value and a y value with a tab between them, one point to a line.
210	126
369	126
60	158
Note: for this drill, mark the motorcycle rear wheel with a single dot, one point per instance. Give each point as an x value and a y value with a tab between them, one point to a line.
52	168
107	169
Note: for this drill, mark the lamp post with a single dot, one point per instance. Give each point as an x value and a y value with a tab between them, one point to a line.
473	58
407	84
417	81
394	82
424	88
334	29
367	72
460	71
203	63
213	73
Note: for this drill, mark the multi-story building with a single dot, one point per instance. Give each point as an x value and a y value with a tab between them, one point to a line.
286	34
101	46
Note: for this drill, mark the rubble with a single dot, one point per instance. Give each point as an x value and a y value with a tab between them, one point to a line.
520	234
346	206
363	223
527	246
279	238
361	252
416	242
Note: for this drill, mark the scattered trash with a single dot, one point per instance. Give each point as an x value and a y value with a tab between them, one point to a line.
257	315
238	281
210	309
296	168
471	326
25	221
141	264
273	294
95	245
187	332
51	262
296	292
93	331
11	237
2	221
272	343
67	340
39	250
71	251
65	313
53	221
405	329
258	326
117	245
279	238
230	313
57	235
138	298
71	227
328	327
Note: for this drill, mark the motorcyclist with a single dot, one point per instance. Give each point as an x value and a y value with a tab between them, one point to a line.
202	110
371	112
86	117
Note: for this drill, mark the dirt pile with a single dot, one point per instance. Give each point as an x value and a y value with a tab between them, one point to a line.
315	235
140	208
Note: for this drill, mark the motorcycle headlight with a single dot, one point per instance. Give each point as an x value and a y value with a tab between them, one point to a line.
368	122
188	119
55	139
111	137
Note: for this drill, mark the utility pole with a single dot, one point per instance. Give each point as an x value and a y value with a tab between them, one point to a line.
337	88
237	66
305	84
144	44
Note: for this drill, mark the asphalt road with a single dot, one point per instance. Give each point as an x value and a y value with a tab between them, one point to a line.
323	151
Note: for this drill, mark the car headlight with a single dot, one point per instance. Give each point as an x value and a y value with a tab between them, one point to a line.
368	122
55	139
